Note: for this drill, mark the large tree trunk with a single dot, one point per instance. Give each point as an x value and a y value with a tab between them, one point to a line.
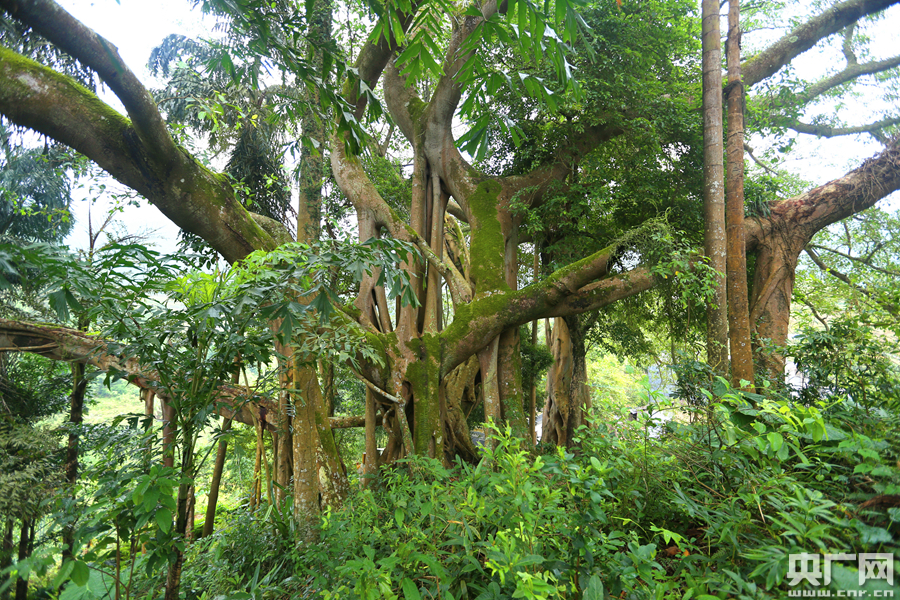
773	285
714	187
738	310
779	238
568	398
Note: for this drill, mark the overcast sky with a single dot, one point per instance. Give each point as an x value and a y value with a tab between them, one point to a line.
136	26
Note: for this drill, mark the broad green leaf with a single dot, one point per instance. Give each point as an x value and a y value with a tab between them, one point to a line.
164	519
80	573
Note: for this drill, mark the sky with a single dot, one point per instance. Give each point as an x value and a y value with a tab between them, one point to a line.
136	26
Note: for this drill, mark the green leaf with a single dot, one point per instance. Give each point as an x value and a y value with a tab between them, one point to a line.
410	591
58	303
150	498
594	589
80	573
164	519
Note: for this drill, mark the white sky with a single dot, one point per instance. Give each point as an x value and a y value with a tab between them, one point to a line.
136	26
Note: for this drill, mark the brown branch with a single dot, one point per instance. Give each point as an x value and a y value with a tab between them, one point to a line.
35	96
865	261
476	324
834	201
852	71
830	131
71	345
802	38
887	306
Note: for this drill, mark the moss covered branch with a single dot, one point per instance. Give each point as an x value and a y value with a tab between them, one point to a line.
194	198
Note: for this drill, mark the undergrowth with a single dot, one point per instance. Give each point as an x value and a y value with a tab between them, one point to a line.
707	510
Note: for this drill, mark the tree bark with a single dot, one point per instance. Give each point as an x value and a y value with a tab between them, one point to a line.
24	539
714	188
7	547
76	418
568	397
779	238
216	481
738	302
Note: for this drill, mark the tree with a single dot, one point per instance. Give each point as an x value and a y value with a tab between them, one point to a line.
435	62
714	187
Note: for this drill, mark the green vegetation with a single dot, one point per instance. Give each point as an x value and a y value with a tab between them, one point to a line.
396	360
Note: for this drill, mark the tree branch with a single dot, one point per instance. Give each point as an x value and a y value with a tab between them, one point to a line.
819	207
852	71
887	306
71	345
829	131
70	35
802	38
476	324
194	198
865	261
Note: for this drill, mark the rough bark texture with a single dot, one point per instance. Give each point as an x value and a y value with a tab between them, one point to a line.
714	188
779	238
736	275
568	397
76	418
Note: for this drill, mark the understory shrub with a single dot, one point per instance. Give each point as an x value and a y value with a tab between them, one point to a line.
711	509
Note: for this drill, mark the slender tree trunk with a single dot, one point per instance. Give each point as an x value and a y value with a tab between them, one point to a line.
7	547
532	421
173	578
168	415
76	418
738	302
326	369
370	456
24	538
255	488
714	188
216	482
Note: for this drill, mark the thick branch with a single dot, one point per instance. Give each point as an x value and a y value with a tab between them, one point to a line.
818	208
193	197
804	37
476	324
65	31
829	131
71	345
